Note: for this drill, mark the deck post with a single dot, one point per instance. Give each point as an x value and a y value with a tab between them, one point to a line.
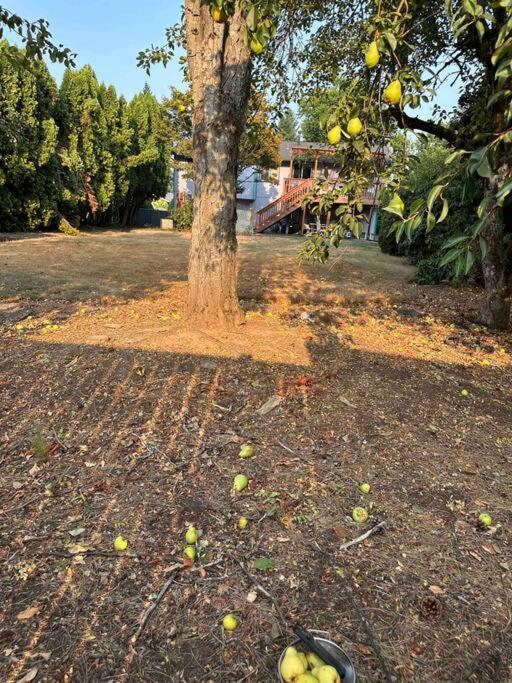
303	221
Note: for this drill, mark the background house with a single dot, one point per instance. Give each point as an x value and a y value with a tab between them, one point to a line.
272	200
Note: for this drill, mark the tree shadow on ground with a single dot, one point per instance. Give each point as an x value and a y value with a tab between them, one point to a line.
145	442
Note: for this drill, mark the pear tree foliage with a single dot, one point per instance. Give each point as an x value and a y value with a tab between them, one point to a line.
36	38
402	54
261	27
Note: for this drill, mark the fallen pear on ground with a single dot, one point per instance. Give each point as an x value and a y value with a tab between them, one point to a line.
240	482
230	622
191	535
360	515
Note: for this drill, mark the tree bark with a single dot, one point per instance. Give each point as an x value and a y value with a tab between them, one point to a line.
220	69
497	264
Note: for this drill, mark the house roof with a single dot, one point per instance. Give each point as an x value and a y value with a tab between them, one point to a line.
285	148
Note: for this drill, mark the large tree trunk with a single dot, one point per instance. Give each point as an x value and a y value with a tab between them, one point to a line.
496	265
220	69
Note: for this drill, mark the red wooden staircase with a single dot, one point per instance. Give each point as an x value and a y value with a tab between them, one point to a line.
284	206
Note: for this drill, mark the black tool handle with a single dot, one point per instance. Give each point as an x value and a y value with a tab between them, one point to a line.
318	649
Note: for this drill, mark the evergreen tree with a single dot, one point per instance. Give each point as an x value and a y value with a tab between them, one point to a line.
148	166
288	125
87	183
28	141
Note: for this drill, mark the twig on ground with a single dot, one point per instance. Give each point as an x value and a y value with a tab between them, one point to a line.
173	569
263	591
286	448
57	440
364	622
364	536
157	601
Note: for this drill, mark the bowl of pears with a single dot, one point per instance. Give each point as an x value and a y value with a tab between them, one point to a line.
301	662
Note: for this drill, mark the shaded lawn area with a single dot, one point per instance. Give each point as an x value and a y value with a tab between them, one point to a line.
145	418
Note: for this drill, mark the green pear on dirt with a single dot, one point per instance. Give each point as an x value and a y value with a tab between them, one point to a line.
360	515
240	482
191	535
485	519
247	451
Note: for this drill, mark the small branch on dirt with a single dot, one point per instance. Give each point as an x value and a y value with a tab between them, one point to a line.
57	440
226	410
286	448
364	536
369	634
173	569
157	601
364	622
263	591
23	505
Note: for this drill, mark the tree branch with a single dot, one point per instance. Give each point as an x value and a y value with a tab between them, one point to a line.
405	122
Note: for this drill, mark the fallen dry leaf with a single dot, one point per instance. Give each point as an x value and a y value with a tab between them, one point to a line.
272	403
28	613
436	590
77	548
30	675
251	597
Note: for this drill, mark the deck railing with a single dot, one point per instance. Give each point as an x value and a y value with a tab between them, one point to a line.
283	206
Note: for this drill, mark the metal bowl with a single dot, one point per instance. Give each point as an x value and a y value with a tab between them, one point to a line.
333	649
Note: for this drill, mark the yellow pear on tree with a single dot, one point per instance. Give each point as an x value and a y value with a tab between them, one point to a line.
256	46
372	55
393	93
354	127
219	15
334	136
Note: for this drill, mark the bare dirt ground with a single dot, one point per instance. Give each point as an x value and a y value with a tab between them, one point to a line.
117	419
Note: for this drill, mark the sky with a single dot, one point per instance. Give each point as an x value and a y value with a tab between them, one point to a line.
108	34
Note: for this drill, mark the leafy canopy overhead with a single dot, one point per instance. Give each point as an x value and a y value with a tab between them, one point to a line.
36	38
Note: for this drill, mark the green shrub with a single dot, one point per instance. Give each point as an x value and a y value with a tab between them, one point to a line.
66	227
183	216
425	249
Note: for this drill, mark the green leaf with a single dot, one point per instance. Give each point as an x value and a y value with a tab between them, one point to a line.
504	190
455	155
431	221
395	206
484	246
470	262
484	169
450	256
264	564
433	195
444	211
454	240
391	40
252	19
